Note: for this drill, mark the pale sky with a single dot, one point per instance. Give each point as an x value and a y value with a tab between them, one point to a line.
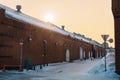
87	17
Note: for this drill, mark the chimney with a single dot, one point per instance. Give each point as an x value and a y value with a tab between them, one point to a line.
63	27
18	7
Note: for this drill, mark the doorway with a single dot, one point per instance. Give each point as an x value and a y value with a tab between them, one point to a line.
67	55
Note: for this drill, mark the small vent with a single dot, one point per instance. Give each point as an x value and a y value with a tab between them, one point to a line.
63	27
18	7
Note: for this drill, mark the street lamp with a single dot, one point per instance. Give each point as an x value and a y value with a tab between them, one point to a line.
105	37
93	49
44	52
21	44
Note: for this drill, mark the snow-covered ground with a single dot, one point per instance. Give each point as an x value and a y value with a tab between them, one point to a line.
76	70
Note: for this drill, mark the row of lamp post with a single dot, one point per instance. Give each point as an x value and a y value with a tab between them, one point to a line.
104	37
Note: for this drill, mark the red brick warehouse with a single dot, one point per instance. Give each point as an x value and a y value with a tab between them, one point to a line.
26	41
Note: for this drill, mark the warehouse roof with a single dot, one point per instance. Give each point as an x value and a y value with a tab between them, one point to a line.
28	19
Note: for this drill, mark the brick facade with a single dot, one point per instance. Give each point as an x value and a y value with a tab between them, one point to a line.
116	14
40	45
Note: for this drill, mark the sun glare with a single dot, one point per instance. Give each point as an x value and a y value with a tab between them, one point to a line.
49	18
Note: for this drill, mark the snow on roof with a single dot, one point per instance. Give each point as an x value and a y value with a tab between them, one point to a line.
22	17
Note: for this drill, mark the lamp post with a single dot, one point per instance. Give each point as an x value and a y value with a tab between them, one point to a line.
21	44
105	37
93	49
44	53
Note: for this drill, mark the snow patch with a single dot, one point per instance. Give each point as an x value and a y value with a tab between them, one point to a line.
110	64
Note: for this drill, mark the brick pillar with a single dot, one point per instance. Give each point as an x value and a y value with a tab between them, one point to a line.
116	14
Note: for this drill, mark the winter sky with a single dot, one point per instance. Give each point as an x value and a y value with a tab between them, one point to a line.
88	17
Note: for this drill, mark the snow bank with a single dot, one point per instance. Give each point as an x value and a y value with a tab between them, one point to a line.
110	64
98	72
110	59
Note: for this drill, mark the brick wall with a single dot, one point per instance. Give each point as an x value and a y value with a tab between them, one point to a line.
116	14
39	45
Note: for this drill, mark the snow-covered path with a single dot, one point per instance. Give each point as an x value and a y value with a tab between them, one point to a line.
76	70
66	71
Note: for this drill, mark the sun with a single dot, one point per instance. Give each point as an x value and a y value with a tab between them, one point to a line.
49	18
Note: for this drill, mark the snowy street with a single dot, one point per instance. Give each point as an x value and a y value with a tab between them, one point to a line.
55	71
76	70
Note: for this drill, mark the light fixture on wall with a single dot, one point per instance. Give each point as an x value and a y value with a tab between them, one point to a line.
45	41
30	38
56	43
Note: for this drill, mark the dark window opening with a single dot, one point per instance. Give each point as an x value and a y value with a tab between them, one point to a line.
6	56
8	35
5	45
